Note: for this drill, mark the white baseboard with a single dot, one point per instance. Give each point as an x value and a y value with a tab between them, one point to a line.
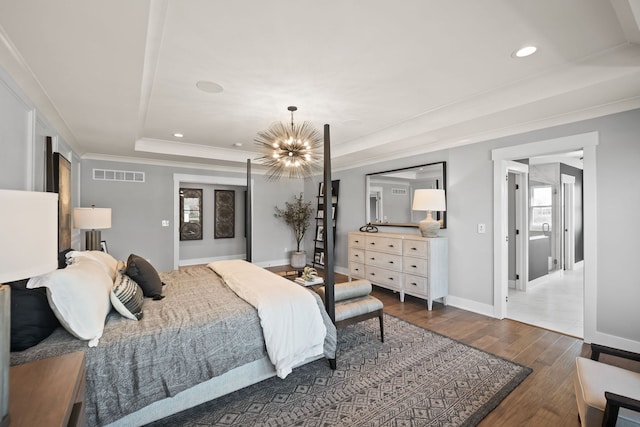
469	305
273	263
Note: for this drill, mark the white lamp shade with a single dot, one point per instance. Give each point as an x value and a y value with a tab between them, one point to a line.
29	234
429	200
92	218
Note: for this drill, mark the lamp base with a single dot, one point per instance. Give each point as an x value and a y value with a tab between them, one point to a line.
92	242
429	227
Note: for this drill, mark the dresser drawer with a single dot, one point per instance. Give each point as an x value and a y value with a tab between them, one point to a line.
415	285
417	248
356	255
384	244
386	278
415	266
356	270
356	241
384	260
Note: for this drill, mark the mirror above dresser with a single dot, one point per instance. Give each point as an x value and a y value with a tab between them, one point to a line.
390	194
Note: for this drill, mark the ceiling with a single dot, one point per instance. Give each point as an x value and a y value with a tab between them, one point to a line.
118	78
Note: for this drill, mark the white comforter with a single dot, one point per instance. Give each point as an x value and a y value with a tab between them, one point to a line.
290	317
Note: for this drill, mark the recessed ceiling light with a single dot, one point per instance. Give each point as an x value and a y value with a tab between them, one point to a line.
237	144
209	87
524	51
178	135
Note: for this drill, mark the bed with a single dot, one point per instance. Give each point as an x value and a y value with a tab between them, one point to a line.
199	342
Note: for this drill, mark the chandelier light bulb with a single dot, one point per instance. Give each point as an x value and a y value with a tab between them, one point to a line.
275	155
297	163
275	144
307	156
290	153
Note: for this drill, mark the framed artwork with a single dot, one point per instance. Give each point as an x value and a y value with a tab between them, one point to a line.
320	233
225	214
190	214
321	191
62	186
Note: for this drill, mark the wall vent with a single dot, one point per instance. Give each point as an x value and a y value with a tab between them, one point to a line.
114	175
399	191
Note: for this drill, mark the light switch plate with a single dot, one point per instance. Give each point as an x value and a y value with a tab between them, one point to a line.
482	228
165	222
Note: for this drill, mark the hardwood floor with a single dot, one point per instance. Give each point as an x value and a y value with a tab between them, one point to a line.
546	397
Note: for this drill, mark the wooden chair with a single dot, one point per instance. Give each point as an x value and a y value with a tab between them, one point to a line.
607	395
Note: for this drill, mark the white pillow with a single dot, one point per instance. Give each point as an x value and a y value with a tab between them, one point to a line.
79	297
110	263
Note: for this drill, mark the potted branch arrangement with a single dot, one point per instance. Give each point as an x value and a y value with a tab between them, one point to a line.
297	215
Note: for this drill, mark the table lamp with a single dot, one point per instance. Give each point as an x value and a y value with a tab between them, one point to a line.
429	200
93	220
29	234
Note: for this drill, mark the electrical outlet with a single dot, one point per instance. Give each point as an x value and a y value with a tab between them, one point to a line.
482	228
165	222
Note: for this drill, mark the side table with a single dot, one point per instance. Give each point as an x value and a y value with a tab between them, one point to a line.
48	392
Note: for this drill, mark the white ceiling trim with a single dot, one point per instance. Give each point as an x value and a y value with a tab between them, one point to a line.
192	150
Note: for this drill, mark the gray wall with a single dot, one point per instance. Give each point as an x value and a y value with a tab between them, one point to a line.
191	251
470	201
139	208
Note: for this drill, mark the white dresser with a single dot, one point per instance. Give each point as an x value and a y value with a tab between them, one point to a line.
406	263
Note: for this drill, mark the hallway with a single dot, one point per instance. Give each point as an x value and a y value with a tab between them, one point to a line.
555	304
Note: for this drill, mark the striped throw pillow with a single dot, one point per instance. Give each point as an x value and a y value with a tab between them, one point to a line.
127	297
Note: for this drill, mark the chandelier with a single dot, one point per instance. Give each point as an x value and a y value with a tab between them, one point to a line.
290	151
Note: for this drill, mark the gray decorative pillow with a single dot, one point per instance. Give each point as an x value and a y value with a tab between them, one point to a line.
127	297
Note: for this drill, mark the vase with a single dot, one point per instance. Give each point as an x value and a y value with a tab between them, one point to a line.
298	259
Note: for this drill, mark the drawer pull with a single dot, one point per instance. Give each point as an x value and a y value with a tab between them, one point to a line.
390	262
372	259
391	278
413	266
357	241
373	274
356	269
356	255
372	243
391	246
414	284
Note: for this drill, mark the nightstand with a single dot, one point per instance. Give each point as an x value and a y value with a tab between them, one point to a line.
48	392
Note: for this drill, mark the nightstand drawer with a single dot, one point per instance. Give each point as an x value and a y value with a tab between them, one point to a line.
384	260
390	279
389	245
417	248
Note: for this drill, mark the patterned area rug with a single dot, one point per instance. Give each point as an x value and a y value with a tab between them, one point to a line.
415	378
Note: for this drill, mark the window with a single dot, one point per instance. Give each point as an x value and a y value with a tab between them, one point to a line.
541	209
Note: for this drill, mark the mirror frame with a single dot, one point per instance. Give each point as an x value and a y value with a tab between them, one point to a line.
190	230
439	215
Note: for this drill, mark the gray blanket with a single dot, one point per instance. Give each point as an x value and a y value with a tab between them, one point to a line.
200	330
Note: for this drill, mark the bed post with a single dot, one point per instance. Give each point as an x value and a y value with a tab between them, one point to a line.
247	215
328	227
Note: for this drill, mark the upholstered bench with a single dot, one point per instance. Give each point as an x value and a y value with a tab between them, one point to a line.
602	390
354	304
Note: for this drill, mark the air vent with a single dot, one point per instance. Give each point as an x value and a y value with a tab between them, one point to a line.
114	175
399	191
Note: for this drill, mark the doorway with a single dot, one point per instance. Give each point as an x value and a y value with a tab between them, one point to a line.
501	158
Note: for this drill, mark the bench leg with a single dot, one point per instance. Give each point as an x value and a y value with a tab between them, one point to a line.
332	364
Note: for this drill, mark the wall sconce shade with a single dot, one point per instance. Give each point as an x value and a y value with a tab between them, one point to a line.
29	235
429	200
93	220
